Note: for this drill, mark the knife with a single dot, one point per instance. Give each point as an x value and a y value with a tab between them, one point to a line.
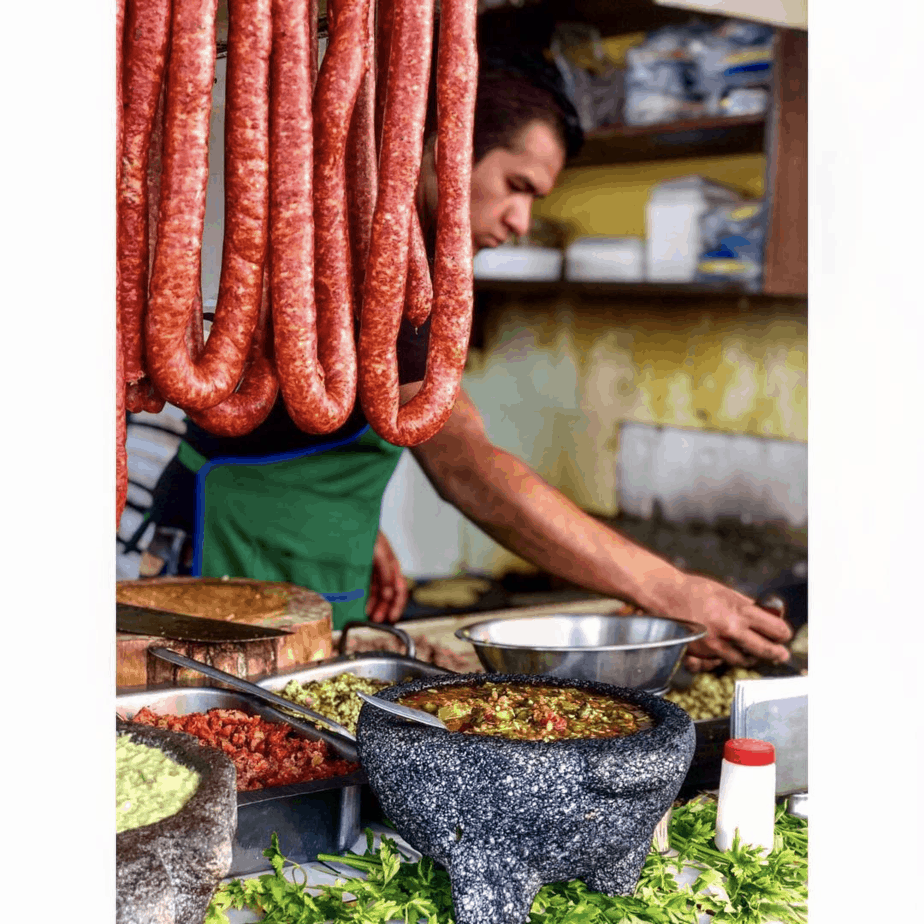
145	620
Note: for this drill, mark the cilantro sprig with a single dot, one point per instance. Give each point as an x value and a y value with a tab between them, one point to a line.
739	886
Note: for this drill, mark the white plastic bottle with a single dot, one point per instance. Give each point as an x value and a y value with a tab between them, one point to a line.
747	794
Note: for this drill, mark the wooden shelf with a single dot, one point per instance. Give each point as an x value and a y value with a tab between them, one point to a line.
598	290
622	144
614	18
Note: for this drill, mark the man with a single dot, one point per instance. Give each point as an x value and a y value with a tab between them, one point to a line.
281	505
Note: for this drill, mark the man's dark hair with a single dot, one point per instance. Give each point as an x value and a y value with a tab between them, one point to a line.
515	88
507	102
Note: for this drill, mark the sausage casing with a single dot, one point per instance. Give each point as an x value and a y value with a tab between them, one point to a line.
310	268
176	274
423	416
145	44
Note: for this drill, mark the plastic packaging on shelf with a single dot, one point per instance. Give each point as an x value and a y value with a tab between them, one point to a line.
661	76
672	221
732	241
596	86
736	56
699	70
747	794
605	259
519	262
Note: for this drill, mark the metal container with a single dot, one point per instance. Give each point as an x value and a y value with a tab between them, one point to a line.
322	816
641	652
391	668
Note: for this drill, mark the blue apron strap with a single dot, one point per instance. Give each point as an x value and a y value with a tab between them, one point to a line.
202	466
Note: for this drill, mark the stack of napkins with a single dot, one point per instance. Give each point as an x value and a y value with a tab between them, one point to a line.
775	709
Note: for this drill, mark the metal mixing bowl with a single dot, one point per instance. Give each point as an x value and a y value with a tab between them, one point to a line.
641	652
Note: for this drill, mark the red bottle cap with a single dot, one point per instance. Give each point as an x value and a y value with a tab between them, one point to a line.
750	752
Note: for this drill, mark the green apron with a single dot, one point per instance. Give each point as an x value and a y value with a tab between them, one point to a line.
309	519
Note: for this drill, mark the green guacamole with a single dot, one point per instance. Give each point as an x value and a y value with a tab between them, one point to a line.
149	785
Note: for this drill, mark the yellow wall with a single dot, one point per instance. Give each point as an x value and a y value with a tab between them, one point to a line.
611	200
555	379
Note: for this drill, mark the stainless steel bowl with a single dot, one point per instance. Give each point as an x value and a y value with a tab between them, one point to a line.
641	652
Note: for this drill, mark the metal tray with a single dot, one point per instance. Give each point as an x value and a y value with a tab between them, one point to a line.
370	666
322	816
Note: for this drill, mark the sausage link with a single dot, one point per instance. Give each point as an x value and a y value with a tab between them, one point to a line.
313	14
145	48
418	297
387	268
175	279
311	278
141	395
453	283
361	166
121	451
385	24
250	405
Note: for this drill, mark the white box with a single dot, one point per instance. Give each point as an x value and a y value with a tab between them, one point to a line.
672	219
512	262
606	259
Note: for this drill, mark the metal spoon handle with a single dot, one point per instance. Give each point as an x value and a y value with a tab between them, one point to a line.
415	715
245	686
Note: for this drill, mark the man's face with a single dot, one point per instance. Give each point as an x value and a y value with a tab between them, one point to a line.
506	182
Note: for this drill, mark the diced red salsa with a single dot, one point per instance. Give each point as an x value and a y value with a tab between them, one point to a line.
530	712
264	753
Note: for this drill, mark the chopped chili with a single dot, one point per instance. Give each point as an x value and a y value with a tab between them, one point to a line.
264	753
530	712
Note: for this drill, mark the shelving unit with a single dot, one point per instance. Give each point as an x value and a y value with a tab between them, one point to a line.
781	135
606	290
622	144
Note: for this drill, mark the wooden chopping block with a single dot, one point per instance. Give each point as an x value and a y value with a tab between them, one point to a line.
275	604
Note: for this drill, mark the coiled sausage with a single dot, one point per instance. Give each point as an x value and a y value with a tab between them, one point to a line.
310	271
399	166
423	416
419	292
362	165
176	275
121	452
245	409
145	48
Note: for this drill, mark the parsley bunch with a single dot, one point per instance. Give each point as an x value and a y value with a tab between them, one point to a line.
739	886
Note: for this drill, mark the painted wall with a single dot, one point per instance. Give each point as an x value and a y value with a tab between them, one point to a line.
555	379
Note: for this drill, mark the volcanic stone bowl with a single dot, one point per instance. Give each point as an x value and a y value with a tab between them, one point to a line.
505	817
167	872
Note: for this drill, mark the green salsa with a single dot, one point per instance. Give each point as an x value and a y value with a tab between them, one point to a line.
149	785
530	712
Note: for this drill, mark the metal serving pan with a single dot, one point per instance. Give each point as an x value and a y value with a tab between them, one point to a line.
369	665
321	816
389	667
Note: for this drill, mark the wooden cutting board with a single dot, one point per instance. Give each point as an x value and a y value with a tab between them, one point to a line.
305	614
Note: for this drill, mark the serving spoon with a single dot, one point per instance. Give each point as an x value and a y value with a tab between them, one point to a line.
278	702
405	712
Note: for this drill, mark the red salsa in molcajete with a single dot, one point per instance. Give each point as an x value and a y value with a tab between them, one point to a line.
530	712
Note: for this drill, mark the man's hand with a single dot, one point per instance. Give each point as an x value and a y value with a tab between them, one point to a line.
740	632
387	589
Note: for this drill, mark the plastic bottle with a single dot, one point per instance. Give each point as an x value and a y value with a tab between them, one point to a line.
747	794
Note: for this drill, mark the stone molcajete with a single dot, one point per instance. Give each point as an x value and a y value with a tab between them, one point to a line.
506	817
166	872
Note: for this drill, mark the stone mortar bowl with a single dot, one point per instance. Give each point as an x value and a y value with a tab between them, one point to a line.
167	872
506	817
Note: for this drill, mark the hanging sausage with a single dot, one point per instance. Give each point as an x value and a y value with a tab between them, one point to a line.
323	252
